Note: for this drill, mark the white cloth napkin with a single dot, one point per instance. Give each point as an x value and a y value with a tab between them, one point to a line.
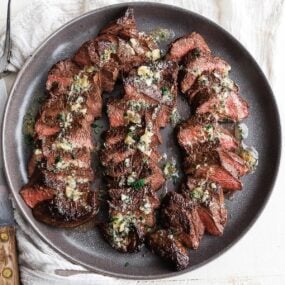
253	22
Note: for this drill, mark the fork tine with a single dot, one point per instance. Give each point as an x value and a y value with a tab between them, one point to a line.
5	58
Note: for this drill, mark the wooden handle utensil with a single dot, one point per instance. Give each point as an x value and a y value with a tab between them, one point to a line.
9	271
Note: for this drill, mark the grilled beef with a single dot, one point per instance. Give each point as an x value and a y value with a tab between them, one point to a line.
198	62
168	247
153	83
130	154
217	174
33	194
181	217
204	128
118	48
209	199
136	168
211	151
61	211
182	46
211	154
124	27
131	217
60	171
217	94
60	174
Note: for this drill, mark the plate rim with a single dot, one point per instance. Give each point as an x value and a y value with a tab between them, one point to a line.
175	9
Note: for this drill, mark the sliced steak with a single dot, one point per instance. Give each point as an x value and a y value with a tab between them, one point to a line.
209	198
34	194
225	106
140	202
213	80
87	55
156	82
217	174
124	27
60	76
66	213
198	62
168	247
204	128
182	46
131	217
181	217
210	153
134	171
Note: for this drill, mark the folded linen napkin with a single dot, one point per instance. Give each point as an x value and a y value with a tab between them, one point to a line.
253	22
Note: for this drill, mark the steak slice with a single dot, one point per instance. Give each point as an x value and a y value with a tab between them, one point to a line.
182	46
60	76
227	105
66	213
209	198
133	171
115	155
87	54
109	75
155	82
118	48
78	104
140	202
203	128
168	247
217	174
114	136
131	217
124	27
232	162
34	194
213	80
198	62
121	112
107	47
181	217
210	153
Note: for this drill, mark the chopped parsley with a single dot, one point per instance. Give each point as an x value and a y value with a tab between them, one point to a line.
164	91
58	159
29	140
196	52
138	184
60	117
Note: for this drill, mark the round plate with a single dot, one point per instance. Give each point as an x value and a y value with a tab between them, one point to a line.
84	245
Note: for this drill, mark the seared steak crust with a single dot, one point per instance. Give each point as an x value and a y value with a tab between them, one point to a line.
165	245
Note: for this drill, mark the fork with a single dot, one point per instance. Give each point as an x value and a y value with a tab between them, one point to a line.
5	57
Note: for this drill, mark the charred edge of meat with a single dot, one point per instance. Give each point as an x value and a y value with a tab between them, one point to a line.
130	242
165	245
61	212
181	217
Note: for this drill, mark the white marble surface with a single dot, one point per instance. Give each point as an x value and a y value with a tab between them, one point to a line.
259	256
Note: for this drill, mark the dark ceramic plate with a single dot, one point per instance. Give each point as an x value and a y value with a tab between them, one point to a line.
84	245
